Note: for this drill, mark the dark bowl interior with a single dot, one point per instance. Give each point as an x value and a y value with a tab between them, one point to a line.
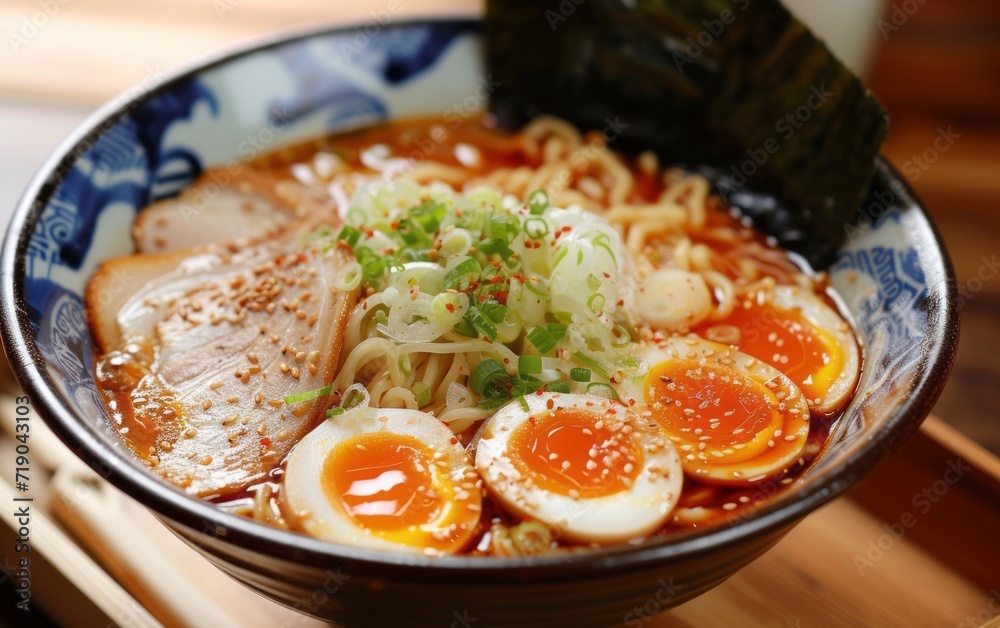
894	276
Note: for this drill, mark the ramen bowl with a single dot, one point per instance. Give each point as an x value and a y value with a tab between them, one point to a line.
893	275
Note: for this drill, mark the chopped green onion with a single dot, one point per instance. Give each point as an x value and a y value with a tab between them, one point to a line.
493	310
521	401
423	394
334	412
579	375
558	331
488	372
542	339
412	233
306	396
500	246
350	277
429	215
465	328
382	317
455	242
372	264
449	307
545	338
596	302
525	384
557	387
538	201
593	282
465	269
536	228
620	337
530	538
602	390
350	235
498	226
481	323
529	364
355	395
530	285
404	363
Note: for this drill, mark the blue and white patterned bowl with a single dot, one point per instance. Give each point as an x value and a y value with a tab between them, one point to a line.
894	275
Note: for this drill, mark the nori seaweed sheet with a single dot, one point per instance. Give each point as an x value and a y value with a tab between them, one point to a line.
738	90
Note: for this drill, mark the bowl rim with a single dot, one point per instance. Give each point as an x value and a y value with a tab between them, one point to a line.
200	517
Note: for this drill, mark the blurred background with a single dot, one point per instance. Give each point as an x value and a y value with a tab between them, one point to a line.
935	64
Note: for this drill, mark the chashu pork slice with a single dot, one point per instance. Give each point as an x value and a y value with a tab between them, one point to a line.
225	205
224	338
115	283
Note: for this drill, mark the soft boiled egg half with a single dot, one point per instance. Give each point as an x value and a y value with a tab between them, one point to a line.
794	331
735	419
586	466
384	478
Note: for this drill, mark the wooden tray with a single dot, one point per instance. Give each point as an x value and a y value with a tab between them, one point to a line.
915	545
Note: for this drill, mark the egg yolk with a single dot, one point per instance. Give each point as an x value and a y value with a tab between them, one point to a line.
786	340
712	407
392	486
574	451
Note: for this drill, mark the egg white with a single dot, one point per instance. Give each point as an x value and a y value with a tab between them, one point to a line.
730	466
823	317
632	513
302	487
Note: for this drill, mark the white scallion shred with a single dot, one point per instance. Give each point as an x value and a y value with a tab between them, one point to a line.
527	270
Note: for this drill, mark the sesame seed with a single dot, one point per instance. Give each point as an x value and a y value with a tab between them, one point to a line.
206	405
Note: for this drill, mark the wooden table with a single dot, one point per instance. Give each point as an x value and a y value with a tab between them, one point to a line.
941	70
